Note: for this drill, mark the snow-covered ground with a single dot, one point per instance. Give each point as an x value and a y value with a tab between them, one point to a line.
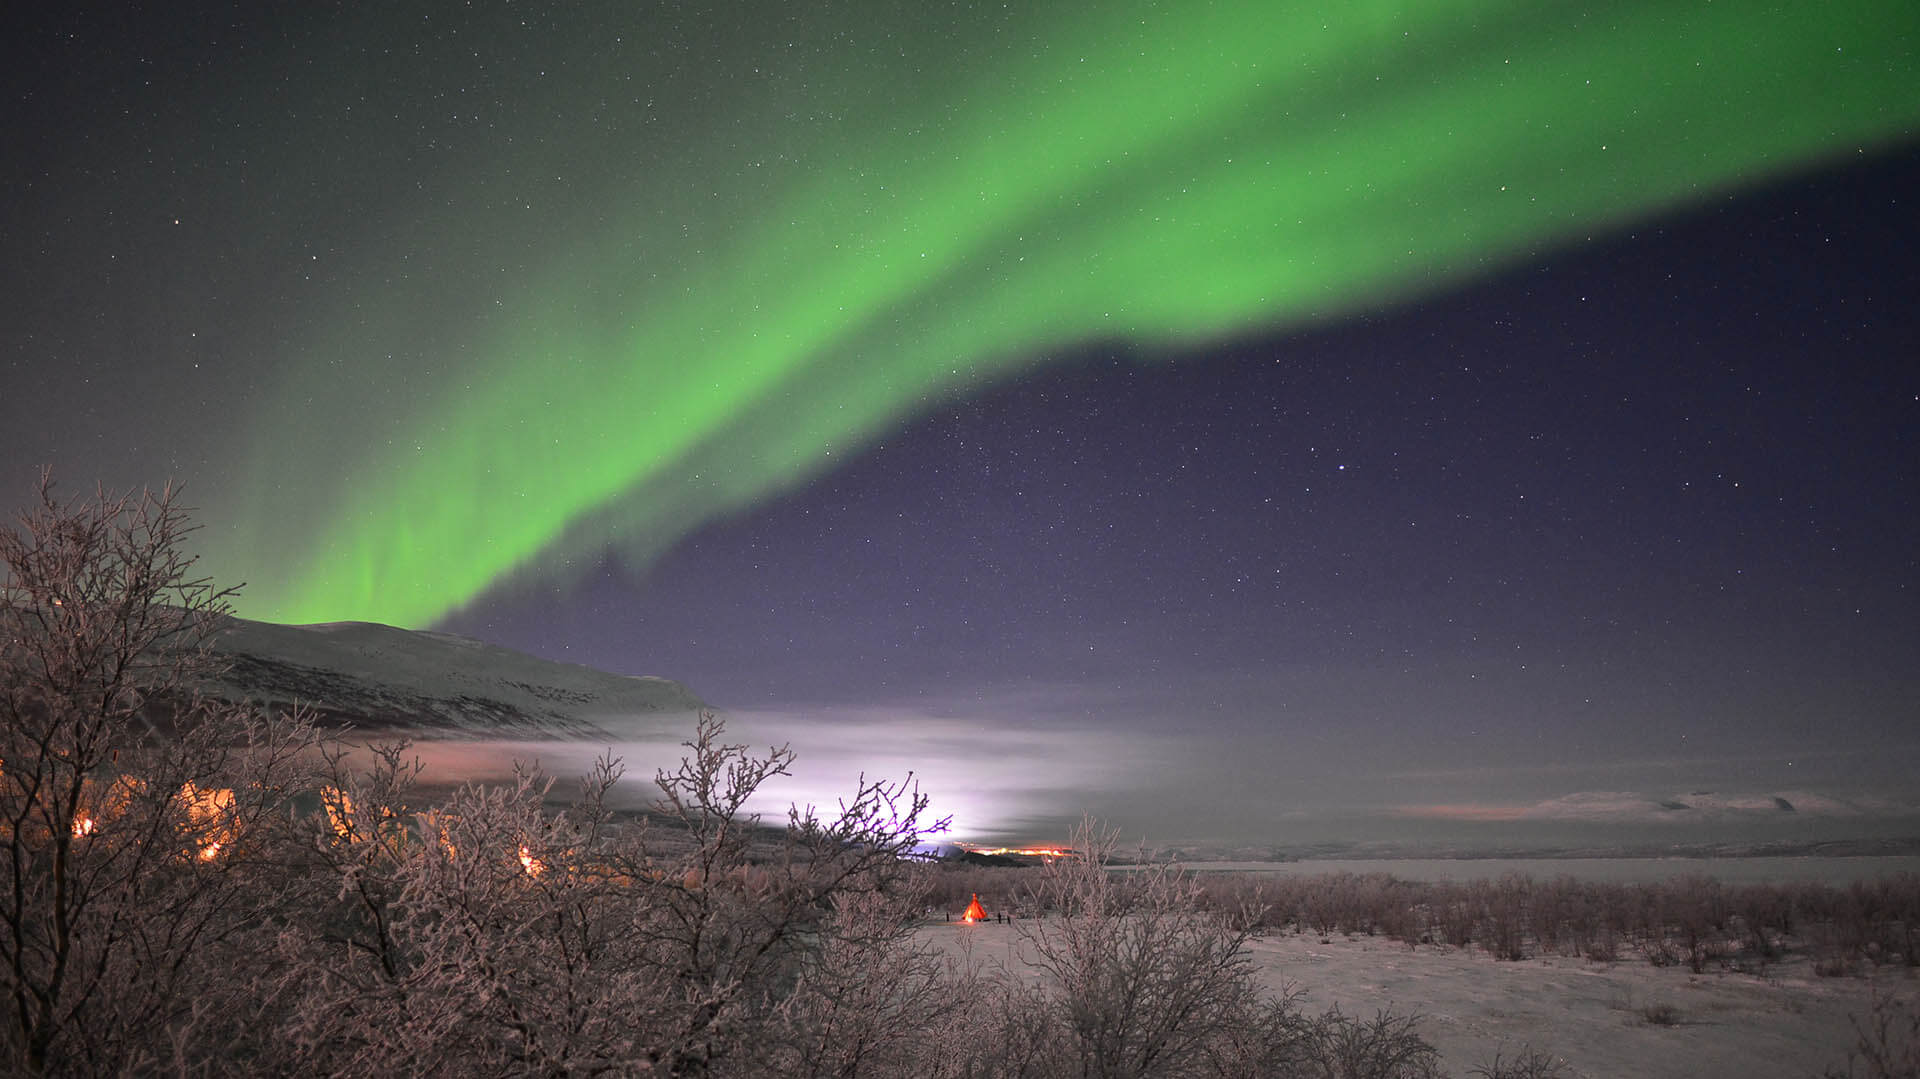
1592	1016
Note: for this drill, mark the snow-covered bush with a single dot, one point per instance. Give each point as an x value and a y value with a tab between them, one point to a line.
493	935
140	822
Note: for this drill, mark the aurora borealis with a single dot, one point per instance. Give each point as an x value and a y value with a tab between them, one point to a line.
449	317
1156	176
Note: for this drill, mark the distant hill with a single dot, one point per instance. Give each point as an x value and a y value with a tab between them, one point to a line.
1626	805
380	678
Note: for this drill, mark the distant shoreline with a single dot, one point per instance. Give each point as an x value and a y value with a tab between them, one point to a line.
1836	869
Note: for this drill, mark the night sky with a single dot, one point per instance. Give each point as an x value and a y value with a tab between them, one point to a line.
1239	420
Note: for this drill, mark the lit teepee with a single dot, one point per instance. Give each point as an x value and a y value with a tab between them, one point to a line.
974	912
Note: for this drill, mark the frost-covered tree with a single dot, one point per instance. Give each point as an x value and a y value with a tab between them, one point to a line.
494	935
134	814
1145	979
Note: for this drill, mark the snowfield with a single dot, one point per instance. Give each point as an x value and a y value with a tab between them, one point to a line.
1602	1020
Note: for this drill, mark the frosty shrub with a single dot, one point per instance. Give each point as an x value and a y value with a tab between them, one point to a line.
492	935
1527	1064
1888	1041
1144	979
138	819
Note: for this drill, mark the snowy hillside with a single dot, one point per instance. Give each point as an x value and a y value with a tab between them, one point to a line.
380	678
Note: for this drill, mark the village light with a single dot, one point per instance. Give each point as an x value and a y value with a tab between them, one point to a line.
1026	852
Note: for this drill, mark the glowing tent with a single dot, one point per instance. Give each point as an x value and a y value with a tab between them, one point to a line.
974	912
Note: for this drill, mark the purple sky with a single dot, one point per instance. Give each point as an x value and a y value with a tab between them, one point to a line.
1637	517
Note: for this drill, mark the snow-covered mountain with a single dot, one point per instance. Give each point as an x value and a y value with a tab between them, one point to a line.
381	678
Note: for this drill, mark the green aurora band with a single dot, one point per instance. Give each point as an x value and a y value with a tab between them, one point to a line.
829	256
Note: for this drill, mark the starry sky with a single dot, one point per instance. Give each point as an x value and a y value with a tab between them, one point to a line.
1221	417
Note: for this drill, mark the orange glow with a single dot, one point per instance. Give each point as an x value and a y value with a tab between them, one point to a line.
339	811
1029	852
974	912
435	824
105	806
532	866
210	813
356	824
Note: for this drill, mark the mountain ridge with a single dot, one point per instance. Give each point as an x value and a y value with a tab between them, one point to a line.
382	678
